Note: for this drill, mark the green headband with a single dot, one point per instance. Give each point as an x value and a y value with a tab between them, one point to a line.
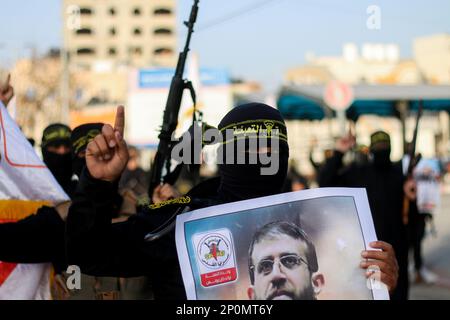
379	137
261	128
81	143
60	134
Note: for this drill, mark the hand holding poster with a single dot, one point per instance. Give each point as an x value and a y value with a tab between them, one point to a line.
299	245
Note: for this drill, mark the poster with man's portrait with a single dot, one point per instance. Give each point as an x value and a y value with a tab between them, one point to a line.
300	245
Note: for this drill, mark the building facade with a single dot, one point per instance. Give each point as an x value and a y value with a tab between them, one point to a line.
432	54
101	35
371	63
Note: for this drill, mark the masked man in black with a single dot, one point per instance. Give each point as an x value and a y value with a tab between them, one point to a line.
384	183
102	248
56	153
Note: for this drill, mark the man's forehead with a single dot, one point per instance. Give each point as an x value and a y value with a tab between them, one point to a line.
275	245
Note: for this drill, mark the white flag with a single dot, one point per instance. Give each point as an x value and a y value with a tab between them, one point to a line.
25	185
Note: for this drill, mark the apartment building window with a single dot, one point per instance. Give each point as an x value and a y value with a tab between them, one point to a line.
86	11
112	31
112	51
85	51
161	51
112	11
135	51
137	12
162	31
162	11
137	31
83	31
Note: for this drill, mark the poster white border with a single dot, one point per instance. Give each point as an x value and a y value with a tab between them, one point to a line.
359	196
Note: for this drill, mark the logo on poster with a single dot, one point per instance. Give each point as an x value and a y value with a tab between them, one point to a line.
214	251
215	255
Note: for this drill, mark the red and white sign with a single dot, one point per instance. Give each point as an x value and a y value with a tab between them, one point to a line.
215	257
338	95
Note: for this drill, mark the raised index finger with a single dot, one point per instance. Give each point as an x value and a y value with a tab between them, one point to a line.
119	124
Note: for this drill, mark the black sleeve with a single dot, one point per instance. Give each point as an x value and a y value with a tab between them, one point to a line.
329	172
38	238
334	174
96	245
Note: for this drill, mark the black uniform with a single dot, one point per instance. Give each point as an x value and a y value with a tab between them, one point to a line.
119	250
384	186
101	248
38	238
60	165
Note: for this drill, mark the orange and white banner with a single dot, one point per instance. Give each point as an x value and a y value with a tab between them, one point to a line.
26	184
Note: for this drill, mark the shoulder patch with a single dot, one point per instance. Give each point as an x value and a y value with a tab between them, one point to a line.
180	200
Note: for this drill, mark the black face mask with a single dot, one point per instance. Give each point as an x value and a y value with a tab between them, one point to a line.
381	158
77	165
59	165
245	181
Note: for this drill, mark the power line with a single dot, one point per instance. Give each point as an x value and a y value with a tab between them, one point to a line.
315	3
236	14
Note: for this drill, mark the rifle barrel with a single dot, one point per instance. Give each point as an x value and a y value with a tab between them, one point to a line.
173	104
